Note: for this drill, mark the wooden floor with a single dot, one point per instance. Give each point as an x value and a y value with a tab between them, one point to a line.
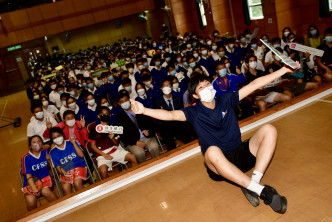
301	170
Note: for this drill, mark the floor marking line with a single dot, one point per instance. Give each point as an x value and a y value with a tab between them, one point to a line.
4	108
97	192
324	100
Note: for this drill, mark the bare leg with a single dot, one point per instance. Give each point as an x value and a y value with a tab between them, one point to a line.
66	187
261	104
311	85
217	162
262	145
317	79
288	93
131	158
103	170
280	97
328	77
78	184
48	194
31	201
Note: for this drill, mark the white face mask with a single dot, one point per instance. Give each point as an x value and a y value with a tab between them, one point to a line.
91	102
176	85
140	67
64	103
231	46
204	52
72	105
40	115
277	58
36	147
253	64
70	123
286	34
105	104
167	90
58	141
207	94
195	55
141	92
221	53
130	70
53	86
209	42
214	47
45	103
36	97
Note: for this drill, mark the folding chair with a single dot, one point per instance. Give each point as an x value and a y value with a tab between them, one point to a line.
159	140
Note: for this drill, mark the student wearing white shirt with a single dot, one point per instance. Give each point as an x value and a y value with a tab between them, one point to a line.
54	96
258	50
276	43
50	110
126	84
37	125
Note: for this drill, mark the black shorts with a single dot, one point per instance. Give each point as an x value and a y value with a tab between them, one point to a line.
241	157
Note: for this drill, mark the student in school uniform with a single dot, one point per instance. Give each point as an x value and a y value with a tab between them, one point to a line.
65	151
34	164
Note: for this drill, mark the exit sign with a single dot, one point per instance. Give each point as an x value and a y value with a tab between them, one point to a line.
14	47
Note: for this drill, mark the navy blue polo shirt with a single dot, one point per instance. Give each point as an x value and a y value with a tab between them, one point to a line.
217	127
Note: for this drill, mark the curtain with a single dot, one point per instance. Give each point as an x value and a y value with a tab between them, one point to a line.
247	20
324	9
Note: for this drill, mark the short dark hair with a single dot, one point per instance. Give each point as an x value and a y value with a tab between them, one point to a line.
125	81
146	77
195	79
101	108
68	112
250	56
35	104
122	93
56	130
30	139
328	31
165	80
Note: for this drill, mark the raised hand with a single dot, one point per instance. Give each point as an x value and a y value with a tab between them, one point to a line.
48	123
137	107
238	71
72	138
111	135
289	69
145	132
82	121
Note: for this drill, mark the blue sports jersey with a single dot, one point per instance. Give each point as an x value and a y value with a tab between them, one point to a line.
60	156
36	166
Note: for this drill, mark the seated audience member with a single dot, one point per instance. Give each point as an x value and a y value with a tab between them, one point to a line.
72	90
54	96
90	109
325	62
275	43
193	64
127	85
233	53
178	90
64	153
138	130
143	97
106	145
225	83
258	50
64	107
92	88
37	156
151	88
113	110
313	38
171	129
37	124
35	94
49	109
264	96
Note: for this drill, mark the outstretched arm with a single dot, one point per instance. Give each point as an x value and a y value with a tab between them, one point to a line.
262	81
176	115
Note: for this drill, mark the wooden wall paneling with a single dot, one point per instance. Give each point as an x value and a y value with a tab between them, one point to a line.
6	23
40	30
142	6
19	18
101	16
85	20
34	14
97	3
115	12
81	5
54	27
70	23
129	9
65	7
48	11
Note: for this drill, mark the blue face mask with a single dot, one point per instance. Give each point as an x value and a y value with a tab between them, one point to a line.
128	88
72	93
84	84
276	46
168	59
185	64
146	64
254	46
110	78
60	92
90	85
266	40
125	105
243	40
176	67
313	32
192	65
328	38
172	73
133	60
222	72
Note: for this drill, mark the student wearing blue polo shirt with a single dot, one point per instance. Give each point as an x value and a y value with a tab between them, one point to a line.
226	156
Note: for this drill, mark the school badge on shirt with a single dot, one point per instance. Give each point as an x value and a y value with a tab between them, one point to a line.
224	114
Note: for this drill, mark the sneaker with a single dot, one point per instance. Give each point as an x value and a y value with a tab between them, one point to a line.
271	197
252	197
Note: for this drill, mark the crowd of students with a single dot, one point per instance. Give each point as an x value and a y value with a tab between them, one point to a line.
68	106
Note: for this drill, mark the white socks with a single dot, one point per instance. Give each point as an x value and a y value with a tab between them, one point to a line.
254	183
256	176
255	187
